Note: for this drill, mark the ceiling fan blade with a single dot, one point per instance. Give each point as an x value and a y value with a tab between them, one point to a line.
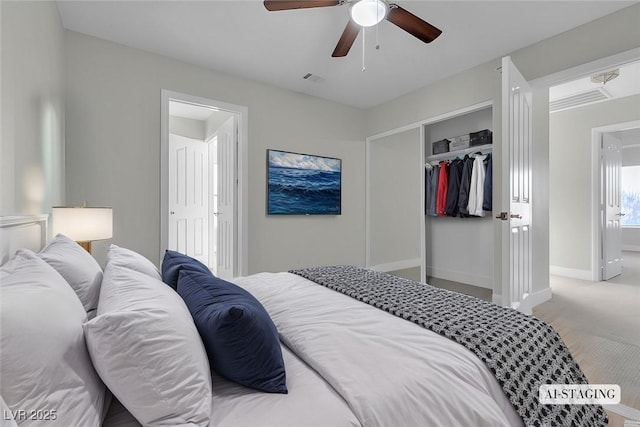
346	39
412	24
274	5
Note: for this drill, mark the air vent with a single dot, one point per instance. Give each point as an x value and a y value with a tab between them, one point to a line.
579	99
313	78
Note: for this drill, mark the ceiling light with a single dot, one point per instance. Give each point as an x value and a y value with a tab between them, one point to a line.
606	76
367	13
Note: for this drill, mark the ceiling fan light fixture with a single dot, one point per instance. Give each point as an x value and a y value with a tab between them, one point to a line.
368	13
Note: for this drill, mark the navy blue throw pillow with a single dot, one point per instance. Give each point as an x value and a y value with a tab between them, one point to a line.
241	341
174	262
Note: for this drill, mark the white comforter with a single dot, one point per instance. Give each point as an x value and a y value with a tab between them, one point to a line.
390	372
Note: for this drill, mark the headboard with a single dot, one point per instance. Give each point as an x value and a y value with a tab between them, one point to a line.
25	231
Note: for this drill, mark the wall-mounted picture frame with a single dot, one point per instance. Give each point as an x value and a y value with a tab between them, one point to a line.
303	184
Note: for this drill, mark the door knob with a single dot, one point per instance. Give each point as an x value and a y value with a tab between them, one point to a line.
516	216
172	213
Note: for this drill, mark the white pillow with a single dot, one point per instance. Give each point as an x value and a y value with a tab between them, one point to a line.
78	268
147	350
133	260
8	419
45	364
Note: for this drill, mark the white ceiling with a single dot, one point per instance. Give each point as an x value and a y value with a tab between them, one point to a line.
581	91
242	38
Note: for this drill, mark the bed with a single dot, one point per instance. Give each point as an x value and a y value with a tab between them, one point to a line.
354	347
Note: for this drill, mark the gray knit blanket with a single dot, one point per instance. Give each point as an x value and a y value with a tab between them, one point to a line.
521	351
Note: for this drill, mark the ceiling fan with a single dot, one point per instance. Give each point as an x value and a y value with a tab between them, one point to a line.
364	13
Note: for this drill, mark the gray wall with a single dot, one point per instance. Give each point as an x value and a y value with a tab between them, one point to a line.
570	196
113	156
189	128
394	231
32	141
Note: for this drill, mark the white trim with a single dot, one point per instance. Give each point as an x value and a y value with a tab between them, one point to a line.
585	69
461	277
573	273
496	299
624	410
435	119
16	220
537	298
423	220
397	265
242	261
632	248
624	147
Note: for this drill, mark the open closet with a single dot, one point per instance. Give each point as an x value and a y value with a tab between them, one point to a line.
402	237
458	228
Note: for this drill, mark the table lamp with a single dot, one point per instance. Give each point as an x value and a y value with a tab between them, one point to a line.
83	224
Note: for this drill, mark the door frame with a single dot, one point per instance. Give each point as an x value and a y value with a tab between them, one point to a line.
563	76
242	157
597	229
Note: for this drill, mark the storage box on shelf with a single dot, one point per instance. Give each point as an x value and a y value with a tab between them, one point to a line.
459	142
482	137
441	146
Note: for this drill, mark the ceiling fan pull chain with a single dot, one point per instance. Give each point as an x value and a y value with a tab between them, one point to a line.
377	32
364	31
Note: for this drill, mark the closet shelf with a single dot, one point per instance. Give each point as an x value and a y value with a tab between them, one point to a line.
487	148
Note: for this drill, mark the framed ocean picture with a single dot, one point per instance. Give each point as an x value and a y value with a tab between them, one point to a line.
303	184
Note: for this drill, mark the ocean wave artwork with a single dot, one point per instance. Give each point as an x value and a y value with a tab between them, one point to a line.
303	184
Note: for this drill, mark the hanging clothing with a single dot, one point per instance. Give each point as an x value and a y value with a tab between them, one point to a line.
476	191
432	191
443	187
487	204
465	184
455	176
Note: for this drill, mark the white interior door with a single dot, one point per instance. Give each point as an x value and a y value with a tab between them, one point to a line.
516	188
611	174
227	142
188	197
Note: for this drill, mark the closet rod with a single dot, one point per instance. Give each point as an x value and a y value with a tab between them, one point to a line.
487	148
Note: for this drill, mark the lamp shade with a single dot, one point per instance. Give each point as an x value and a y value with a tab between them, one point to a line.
82	224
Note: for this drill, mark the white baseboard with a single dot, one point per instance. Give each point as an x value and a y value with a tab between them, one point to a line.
533	299
625	411
397	265
461	277
633	248
539	297
574	273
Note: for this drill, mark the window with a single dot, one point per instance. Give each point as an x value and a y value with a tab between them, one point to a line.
631	195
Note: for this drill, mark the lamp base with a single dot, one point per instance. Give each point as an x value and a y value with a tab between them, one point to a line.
86	245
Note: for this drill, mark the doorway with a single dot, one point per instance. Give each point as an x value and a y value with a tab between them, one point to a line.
612	148
203	206
578	119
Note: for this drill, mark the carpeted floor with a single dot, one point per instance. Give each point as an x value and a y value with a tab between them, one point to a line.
600	323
